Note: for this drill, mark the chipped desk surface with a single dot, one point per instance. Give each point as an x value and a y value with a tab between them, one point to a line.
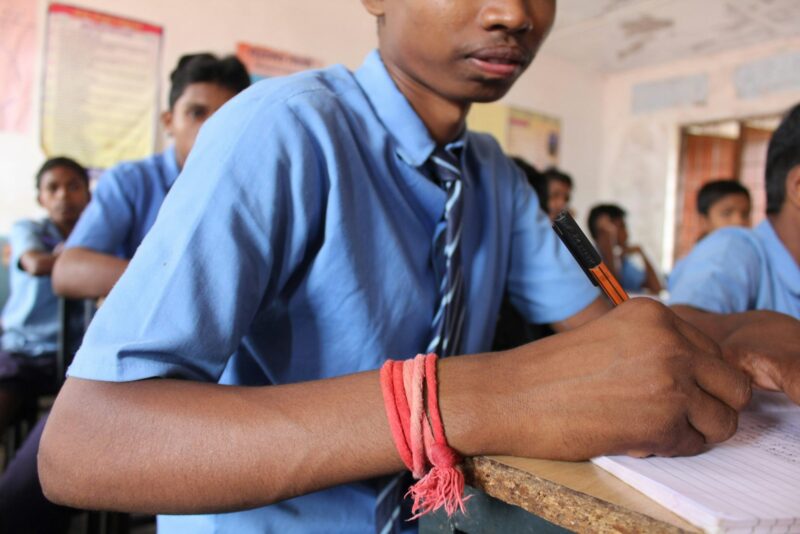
578	496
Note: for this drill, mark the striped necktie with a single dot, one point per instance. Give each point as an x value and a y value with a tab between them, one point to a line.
448	322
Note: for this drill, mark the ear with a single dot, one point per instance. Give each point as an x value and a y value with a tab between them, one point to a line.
793	187
166	121
375	8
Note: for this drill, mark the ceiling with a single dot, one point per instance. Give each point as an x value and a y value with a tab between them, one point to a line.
615	35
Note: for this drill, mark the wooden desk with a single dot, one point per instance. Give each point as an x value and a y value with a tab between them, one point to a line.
576	496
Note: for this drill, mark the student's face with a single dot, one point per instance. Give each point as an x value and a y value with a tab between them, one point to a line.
730	210
558	197
462	50
64	194
197	103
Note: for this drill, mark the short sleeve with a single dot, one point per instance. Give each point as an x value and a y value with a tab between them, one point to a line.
632	277
106	222
228	237
545	284
720	274
25	237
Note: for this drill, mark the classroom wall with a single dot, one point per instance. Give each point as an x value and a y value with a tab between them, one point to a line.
332	31
640	158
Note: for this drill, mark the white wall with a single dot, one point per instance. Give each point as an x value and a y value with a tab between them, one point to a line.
334	31
641	152
561	89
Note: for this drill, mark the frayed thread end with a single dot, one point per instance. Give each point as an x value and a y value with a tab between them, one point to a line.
442	487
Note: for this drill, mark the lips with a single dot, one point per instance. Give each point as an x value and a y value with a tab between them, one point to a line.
500	61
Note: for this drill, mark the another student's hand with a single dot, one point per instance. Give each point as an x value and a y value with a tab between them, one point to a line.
638	380
766	345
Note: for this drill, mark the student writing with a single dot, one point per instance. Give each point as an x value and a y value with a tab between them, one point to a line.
298	252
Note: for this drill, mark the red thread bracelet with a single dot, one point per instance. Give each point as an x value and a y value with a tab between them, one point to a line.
418	434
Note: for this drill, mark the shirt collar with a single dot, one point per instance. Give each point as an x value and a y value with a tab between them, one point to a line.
170	163
779	257
414	143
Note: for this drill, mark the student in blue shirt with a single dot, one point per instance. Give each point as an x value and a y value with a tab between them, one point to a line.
128	196
736	269
722	203
295	256
610	233
30	317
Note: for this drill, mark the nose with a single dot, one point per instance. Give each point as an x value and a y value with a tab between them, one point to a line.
512	16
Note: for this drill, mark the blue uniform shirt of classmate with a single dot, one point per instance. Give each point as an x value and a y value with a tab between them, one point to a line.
299	242
30	317
129	196
632	277
735	269
125	204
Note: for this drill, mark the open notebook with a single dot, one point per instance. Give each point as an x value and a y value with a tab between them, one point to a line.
750	483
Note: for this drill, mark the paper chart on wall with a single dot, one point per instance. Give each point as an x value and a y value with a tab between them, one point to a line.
100	86
265	62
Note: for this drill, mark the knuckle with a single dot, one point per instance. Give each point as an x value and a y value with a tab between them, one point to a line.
744	392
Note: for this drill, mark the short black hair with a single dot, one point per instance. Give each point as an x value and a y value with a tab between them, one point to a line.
714	191
536	179
613	211
62	161
227	72
783	155
554	173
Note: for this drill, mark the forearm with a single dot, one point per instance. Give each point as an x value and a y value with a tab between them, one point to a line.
37	263
84	273
651	281
618	384
140	446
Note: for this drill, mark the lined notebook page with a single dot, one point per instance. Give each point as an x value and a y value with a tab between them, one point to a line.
750	483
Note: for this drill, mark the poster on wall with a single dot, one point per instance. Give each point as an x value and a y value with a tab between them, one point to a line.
100	94
534	137
264	62
17	63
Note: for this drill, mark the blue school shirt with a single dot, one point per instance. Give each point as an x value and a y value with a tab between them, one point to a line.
632	277
735	270
124	205
299	241
30	317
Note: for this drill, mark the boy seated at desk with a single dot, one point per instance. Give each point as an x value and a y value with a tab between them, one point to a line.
328	221
30	317
559	191
722	203
738	269
629	263
128	196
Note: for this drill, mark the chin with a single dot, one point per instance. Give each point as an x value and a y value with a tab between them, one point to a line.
486	91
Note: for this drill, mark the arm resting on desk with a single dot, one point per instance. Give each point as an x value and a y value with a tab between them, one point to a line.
85	273
637	380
